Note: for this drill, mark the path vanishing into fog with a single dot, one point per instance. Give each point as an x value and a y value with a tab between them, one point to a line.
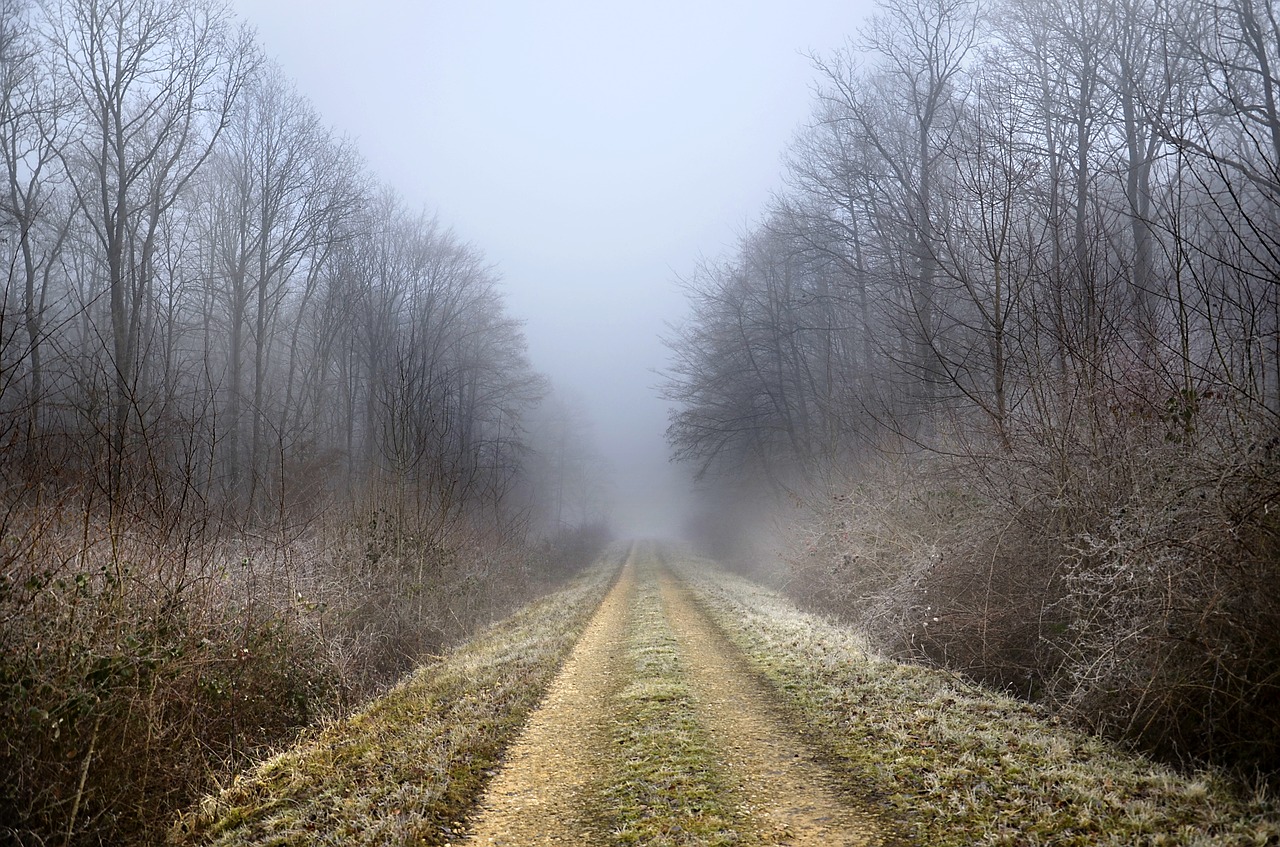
558	782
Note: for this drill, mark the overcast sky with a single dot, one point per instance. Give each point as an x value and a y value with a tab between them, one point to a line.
592	149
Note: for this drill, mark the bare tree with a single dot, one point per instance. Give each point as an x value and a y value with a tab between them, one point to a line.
990	232
152	85
1226	129
925	45
1061	248
282	191
33	224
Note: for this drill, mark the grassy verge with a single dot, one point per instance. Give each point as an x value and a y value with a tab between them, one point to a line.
961	765
406	767
667	785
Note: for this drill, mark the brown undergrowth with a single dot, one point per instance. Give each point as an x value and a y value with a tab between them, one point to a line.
963	765
404	768
144	657
1130	583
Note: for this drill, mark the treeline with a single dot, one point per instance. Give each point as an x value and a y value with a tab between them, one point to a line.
208	290
263	428
1011	336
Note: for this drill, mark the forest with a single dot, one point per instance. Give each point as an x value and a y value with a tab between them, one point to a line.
1002	360
268	435
992	379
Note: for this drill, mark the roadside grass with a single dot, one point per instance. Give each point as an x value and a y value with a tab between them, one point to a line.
960	765
666	785
405	768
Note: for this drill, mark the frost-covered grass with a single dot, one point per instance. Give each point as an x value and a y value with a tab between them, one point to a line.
666	785
404	769
961	765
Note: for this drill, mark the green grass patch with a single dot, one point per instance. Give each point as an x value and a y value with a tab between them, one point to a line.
406	768
961	765
666	784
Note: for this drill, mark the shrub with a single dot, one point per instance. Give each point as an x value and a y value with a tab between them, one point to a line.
139	666
1134	586
568	551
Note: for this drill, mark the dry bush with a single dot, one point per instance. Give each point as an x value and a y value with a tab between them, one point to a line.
1131	580
932	571
140	664
569	551
130	670
862	550
1174	609
985	607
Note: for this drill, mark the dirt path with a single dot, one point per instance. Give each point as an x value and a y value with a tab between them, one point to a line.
540	793
787	794
549	788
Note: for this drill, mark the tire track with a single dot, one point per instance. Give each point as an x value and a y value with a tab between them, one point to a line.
788	795
554	783
539	795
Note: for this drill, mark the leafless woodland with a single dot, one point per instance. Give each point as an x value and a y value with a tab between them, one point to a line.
1004	353
1001	359
268	436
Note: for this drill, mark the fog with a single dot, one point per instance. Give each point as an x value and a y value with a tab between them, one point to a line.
331	333
592	151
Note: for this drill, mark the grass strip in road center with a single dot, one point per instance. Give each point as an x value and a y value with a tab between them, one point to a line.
667	784
962	765
404	769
